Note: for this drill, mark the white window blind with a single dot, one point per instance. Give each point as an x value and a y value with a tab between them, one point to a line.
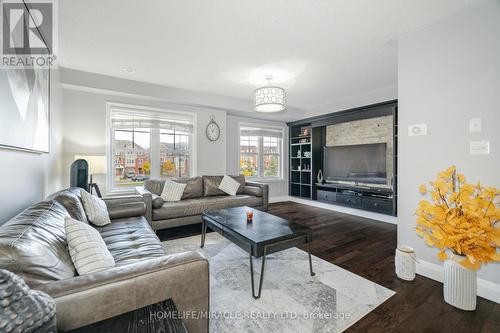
149	143
122	118
261	132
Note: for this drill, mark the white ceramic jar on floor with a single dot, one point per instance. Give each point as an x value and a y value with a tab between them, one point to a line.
405	263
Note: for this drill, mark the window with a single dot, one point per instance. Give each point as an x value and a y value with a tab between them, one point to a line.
127	145
149	143
174	154
261	152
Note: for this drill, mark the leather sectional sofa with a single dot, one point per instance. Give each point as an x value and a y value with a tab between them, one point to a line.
201	194
33	245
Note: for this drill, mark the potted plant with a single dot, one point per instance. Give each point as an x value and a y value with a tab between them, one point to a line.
462	220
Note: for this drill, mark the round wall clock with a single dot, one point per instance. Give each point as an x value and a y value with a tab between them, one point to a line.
213	130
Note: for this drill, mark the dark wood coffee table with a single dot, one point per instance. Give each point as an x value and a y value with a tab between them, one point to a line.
266	234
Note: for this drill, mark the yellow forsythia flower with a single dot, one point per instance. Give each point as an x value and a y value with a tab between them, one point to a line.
423	189
461	217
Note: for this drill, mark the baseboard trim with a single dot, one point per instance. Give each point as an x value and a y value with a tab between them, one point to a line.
336	208
279	199
485	288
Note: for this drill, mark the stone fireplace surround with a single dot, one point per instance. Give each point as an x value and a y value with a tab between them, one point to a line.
365	131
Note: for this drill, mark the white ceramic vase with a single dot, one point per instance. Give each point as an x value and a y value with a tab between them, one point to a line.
320	176
459	284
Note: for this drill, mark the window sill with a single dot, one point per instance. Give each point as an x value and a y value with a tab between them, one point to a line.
265	180
121	191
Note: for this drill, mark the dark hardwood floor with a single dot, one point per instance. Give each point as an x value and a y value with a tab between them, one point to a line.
366	247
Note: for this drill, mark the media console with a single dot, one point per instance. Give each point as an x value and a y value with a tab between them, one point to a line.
308	160
376	199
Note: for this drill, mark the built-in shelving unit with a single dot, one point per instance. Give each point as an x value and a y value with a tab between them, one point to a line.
309	136
301	161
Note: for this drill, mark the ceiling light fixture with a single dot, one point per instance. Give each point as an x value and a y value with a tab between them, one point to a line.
270	98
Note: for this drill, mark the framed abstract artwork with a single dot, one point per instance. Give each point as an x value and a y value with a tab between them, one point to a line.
25	109
25	97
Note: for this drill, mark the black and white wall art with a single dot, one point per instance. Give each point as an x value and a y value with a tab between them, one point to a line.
24	108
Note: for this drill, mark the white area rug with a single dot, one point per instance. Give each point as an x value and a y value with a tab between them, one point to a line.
292	300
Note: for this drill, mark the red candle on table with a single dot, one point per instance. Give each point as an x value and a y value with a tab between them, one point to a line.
249	216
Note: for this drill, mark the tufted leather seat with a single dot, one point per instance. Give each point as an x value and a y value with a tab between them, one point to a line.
131	240
33	245
71	200
192	207
201	194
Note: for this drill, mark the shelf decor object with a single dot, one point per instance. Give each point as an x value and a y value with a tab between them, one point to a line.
464	219
320	177
270	98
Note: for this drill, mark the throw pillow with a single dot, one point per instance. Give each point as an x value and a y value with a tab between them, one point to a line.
157	201
87	248
96	209
172	191
229	185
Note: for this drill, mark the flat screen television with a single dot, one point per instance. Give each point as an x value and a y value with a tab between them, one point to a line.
364	163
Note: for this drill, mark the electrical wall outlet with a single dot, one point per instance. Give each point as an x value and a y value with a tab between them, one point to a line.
417	129
479	147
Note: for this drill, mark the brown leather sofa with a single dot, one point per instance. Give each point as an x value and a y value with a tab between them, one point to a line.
33	245
201	194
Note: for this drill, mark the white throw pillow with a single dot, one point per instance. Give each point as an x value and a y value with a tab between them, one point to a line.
229	185
172	191
87	248
95	208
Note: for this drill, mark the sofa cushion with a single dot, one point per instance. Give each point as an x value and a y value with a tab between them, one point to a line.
211	185
192	207
157	201
131	240
33	244
71	200
154	186
252	190
86	248
194	187
240	179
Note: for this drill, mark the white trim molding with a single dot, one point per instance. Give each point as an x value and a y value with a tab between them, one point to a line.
279	199
485	288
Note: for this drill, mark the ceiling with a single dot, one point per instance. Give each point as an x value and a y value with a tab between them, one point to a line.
320	51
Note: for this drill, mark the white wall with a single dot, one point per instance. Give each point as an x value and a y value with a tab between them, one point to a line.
85	129
277	188
448	73
28	177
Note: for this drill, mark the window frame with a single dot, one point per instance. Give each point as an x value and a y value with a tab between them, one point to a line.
260	153
154	156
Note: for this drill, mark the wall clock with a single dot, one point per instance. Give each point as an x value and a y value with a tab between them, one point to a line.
213	130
